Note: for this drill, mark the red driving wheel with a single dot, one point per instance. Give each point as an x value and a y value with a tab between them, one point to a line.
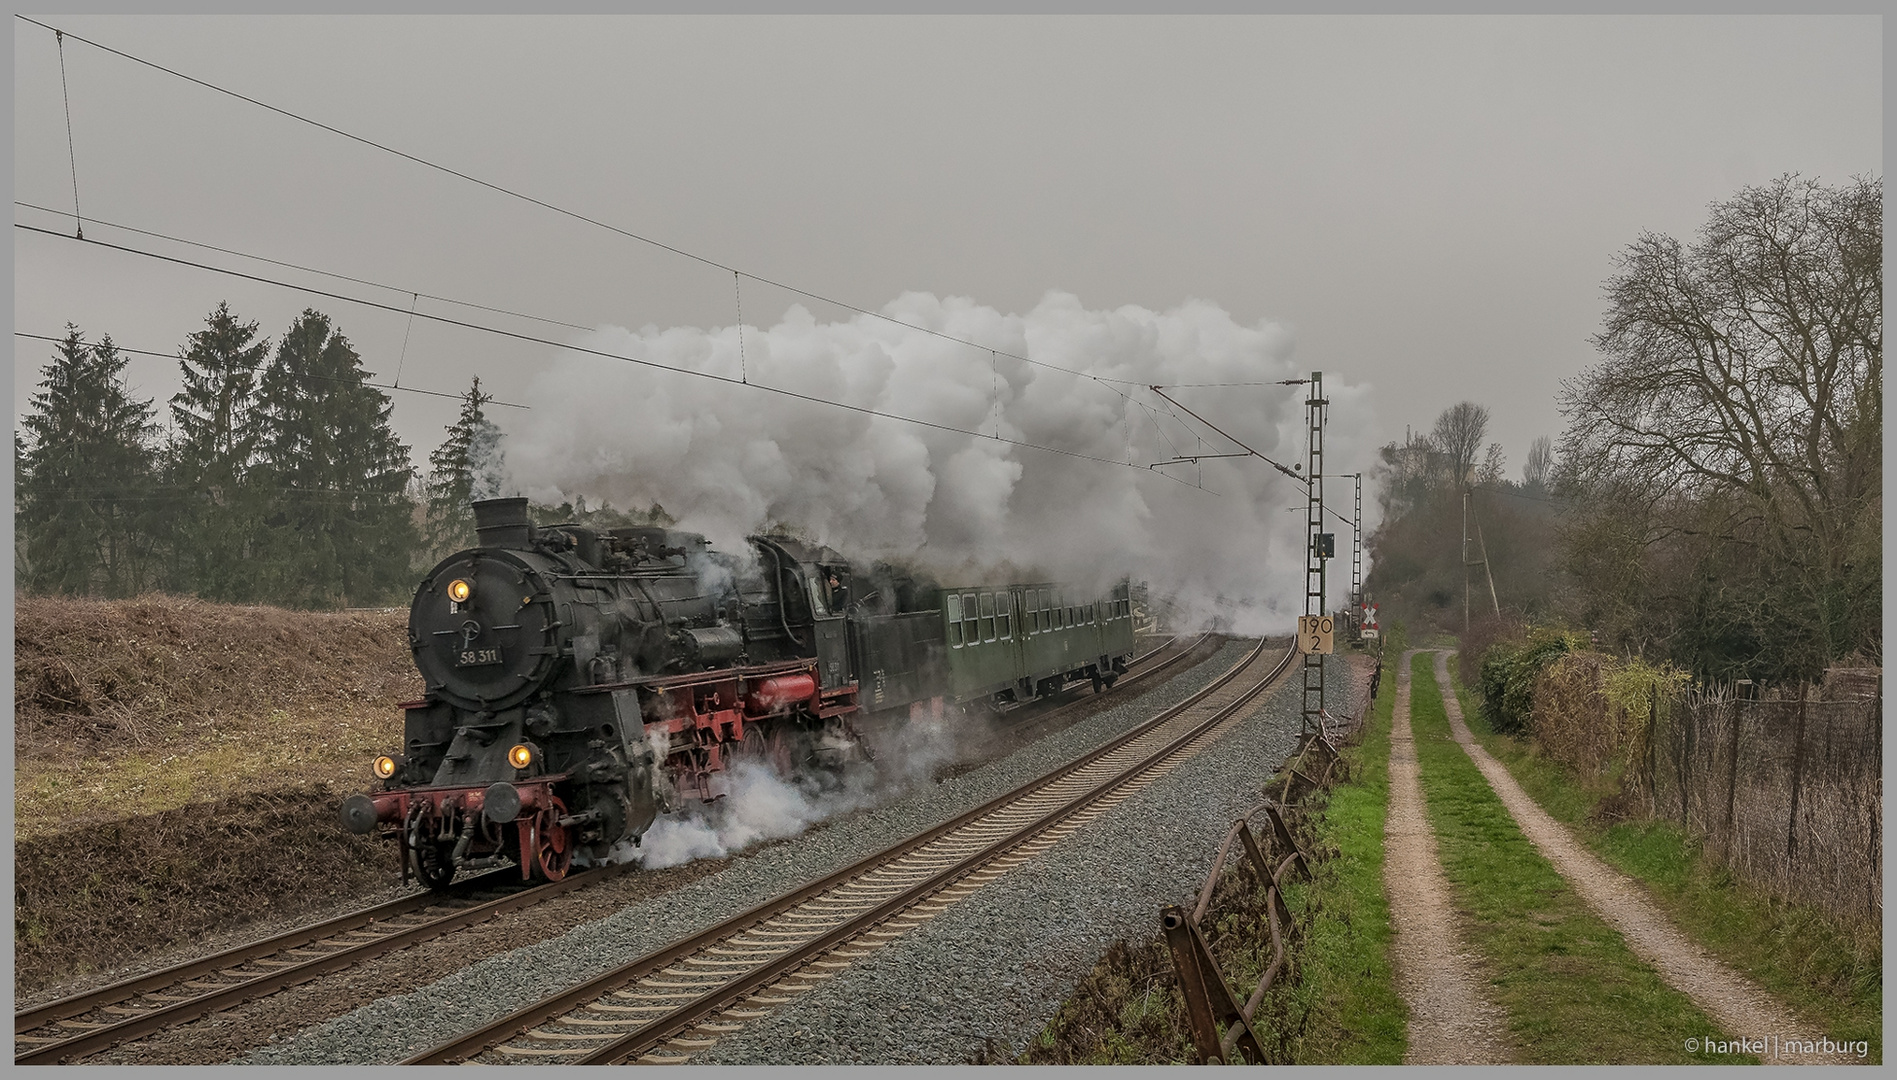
552	845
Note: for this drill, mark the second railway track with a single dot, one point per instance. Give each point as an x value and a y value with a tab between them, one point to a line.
664	1007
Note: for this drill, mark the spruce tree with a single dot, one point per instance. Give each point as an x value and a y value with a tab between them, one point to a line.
341	528
215	517
466	467
84	474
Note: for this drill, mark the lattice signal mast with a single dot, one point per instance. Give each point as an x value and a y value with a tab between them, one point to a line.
1315	407
1356	549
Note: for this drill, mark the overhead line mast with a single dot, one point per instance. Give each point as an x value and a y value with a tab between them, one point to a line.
1314	554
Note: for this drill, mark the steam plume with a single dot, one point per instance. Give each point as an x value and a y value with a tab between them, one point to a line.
726	460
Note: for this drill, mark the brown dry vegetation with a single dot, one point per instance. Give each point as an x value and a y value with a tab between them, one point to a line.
177	767
140	706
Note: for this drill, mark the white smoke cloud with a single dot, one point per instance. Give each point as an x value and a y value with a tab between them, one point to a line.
759	805
487	463
725	460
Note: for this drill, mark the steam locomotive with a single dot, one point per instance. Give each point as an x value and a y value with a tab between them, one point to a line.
581	682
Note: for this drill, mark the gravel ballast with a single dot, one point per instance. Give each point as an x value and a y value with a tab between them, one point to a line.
990	972
393	1028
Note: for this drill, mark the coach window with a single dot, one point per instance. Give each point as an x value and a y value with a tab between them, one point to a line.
971	630
987	616
955	620
1004	616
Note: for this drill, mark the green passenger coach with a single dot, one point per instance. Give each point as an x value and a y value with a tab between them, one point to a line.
1015	642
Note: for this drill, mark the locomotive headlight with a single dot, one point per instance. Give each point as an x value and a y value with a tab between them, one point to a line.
385	766
520	757
459	590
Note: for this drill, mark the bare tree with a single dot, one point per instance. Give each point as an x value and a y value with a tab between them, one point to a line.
1494	465
1746	371
1458	435
1540	465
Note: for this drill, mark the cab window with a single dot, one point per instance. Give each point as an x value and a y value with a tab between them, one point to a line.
955	620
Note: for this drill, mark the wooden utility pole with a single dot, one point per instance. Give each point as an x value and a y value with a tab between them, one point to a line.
1484	544
1467	562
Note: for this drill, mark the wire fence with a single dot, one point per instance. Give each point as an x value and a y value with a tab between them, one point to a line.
1787	790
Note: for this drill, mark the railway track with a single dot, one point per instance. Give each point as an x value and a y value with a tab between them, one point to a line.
86	1023
83	1024
666	1006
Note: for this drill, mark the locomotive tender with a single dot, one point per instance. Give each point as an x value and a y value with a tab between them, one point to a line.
579	682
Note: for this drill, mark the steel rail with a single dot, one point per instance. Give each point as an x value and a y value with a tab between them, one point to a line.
111	994
91	1038
658	1031
88	1038
481	1039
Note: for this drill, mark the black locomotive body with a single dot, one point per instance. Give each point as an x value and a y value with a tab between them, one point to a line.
579	683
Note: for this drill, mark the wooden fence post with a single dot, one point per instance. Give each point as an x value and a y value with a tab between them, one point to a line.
1732	775
1876	806
1686	764
1798	776
1653	742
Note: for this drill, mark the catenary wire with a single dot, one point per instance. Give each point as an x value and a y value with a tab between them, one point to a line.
517	336
304	376
705	260
743	379
313	270
72	157
574	214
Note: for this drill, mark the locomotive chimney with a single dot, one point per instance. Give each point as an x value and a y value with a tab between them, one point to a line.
503	523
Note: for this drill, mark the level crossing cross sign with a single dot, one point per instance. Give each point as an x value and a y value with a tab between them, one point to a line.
1314	633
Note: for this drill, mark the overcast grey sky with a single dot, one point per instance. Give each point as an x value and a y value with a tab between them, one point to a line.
1429	204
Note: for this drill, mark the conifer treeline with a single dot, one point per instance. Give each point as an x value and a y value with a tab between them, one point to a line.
280	480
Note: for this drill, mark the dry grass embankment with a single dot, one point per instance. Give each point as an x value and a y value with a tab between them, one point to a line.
141	706
177	765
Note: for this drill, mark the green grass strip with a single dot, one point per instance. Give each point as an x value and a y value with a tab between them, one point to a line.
1348	990
1574	993
1821	968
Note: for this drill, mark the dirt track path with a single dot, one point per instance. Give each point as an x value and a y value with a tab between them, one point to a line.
1738	1005
1451	1023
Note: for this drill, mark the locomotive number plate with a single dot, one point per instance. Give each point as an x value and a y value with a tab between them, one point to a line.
477	657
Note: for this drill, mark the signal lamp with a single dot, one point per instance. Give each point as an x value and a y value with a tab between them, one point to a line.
459	590
520	757
385	766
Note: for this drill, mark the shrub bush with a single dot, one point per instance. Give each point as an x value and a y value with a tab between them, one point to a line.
1509	670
